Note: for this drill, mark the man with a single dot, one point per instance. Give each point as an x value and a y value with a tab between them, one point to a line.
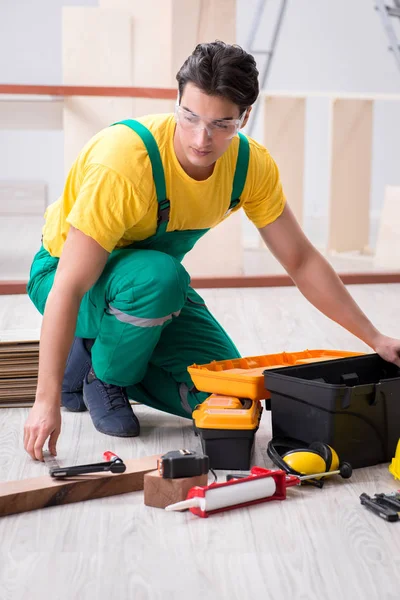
138	197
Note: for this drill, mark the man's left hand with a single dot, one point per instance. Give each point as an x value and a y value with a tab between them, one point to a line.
389	349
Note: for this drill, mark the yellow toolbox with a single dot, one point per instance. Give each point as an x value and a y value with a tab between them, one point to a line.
227	426
243	377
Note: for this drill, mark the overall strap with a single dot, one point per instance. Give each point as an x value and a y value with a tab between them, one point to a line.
157	168
242	165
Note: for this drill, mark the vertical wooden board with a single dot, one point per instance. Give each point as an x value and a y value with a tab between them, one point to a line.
97	50
162	44
350	174
217	20
388	243
200	21
151	49
284	133
220	252
185	22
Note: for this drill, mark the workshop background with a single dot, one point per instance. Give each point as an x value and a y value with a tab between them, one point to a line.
322	50
329	111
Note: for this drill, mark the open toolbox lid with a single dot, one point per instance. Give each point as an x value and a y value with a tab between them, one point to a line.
244	377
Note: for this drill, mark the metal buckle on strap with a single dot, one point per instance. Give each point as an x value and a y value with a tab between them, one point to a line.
163	211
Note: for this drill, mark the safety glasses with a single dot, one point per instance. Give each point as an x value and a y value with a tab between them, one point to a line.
218	128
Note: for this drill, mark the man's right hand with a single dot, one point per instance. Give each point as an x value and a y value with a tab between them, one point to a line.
43	421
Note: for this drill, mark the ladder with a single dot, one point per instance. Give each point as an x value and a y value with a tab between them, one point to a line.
388	14
268	53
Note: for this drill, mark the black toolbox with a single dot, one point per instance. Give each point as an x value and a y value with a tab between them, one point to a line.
227	426
352	404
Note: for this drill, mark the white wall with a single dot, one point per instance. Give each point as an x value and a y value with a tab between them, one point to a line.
30	52
325	45
30	40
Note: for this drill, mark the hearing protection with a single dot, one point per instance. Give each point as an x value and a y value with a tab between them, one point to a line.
297	458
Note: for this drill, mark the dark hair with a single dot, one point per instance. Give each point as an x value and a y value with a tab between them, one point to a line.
221	69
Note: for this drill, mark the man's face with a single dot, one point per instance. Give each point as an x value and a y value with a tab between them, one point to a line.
205	128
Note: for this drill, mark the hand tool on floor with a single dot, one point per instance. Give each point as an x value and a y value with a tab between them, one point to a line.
382	506
177	472
262	485
113	463
388	500
395	495
40	492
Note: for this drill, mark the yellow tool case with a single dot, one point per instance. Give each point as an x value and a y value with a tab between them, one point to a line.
244	377
227	426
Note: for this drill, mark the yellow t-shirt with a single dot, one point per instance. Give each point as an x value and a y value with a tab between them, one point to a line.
110	195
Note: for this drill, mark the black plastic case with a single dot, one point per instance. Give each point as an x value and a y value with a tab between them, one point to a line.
231	450
352	404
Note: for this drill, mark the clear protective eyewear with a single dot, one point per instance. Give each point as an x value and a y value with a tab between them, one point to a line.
218	128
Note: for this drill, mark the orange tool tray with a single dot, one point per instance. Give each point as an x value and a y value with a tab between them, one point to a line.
244	377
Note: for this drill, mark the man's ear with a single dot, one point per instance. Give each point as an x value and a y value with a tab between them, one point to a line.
246	118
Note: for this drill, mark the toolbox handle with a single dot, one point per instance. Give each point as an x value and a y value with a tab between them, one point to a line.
378	394
347	396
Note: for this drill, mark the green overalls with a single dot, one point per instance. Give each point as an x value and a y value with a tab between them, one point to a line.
149	325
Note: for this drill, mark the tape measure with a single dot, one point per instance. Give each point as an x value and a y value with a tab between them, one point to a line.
182	463
50	461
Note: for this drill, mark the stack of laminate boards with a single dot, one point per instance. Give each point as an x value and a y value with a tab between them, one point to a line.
19	363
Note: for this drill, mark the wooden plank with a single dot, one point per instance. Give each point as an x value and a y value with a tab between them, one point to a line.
90	90
30	345
87	34
255	281
350	175
219	253
284	134
20	403
285	280
9	288
388	243
40	492
196	21
160	492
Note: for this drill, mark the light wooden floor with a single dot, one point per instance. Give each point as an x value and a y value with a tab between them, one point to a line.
318	544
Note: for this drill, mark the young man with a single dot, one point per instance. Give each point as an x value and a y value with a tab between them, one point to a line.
138	197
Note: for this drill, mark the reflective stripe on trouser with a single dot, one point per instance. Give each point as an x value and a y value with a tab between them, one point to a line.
138	294
194	337
143	287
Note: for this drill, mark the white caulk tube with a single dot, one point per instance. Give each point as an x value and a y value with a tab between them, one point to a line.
230	495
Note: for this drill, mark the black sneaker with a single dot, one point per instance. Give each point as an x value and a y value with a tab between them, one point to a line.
109	407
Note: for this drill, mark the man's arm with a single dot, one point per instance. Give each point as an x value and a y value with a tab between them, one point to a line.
319	283
81	263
